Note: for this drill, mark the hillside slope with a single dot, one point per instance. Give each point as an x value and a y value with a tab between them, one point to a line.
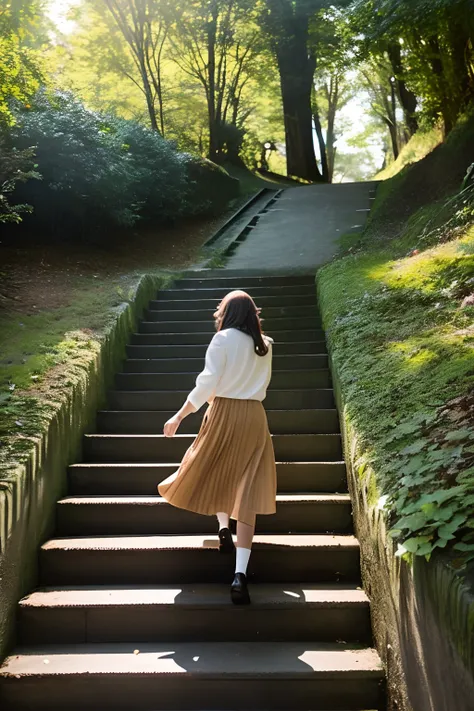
398	308
431	179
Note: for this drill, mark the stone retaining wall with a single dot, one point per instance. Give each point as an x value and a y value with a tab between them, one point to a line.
422	615
28	493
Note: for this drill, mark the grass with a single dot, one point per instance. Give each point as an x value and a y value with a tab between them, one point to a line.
417	148
403	349
44	353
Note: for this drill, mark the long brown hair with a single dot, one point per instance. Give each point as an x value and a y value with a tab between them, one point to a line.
238	310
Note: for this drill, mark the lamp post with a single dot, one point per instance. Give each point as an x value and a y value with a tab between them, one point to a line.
267	146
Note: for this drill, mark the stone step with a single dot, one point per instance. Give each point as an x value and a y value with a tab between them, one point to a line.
194	612
137	560
269	314
195	365
290	301
272	326
140	515
158	448
256	292
280	677
314	398
287	379
243	282
192	338
199	351
141	479
152	422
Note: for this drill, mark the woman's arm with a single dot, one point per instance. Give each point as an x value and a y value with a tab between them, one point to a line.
206	384
172	425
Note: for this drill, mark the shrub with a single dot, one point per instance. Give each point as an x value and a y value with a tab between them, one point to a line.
158	170
101	172
87	176
210	188
15	167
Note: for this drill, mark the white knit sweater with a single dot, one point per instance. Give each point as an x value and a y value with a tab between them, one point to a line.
233	369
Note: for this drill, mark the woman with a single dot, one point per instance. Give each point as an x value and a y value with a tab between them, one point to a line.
229	470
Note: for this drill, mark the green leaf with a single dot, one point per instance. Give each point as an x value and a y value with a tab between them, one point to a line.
413	465
395	532
448	530
413	522
464	546
425	549
457	435
416	447
411	545
402	430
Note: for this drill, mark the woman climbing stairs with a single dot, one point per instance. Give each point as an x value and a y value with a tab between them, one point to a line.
133	610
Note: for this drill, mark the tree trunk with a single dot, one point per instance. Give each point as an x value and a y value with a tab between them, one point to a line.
288	25
211	93
134	35
393	136
333	102
437	68
296	77
148	95
459	41
322	145
407	98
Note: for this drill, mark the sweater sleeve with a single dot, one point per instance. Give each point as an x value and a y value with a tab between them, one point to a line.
270	356
207	381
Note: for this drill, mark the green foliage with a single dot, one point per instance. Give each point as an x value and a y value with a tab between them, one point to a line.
15	167
100	172
88	176
437	50
20	66
210	187
402	347
157	171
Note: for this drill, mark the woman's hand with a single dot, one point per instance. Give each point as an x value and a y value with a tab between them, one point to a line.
172	425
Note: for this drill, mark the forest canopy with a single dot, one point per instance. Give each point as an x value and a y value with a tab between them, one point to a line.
317	90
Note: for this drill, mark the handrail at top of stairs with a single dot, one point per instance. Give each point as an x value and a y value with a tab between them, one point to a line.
237	215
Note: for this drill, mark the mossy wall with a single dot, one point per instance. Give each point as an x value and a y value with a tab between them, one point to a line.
28	493
422	615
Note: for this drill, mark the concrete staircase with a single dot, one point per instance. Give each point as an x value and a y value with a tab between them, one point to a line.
134	609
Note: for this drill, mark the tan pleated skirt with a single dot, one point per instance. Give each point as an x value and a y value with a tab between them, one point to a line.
230	467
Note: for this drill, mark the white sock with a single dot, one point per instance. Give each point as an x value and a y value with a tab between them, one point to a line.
223	519
242	560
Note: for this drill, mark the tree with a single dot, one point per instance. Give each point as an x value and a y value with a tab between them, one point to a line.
144	26
20	77
331	89
287	24
407	98
431	49
332	92
216	44
20	67
380	84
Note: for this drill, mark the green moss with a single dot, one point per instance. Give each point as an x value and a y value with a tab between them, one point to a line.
45	354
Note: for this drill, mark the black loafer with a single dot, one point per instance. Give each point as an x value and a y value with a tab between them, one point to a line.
238	590
226	542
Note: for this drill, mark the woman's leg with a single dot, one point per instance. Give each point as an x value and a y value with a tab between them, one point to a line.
223	519
238	590
245	534
226	543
